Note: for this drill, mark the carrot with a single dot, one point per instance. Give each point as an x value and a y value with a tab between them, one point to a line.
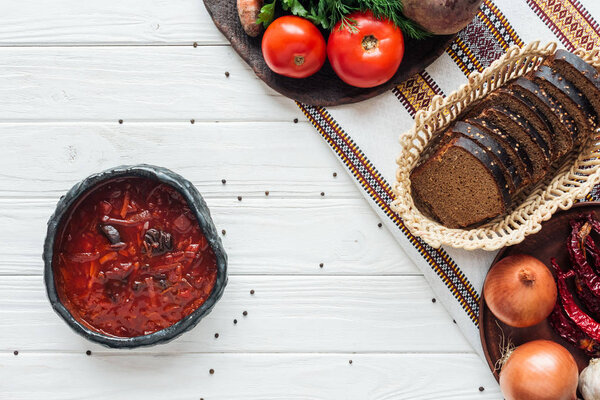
125	205
248	11
106	258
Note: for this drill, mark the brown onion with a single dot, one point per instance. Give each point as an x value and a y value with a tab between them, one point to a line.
520	291
539	370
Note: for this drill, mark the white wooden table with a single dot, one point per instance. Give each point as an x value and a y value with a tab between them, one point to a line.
338	311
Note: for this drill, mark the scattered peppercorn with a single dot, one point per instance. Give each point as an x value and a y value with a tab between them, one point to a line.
195	44
380	224
227	74
322	193
239	198
235	321
192	121
433	300
245	313
89	352
481	388
120	121
211	371
295	120
350	362
267	193
216	335
223	181
16	352
321	265
335	174
252	291
223	232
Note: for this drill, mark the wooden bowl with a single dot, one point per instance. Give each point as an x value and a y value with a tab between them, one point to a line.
324	88
549	242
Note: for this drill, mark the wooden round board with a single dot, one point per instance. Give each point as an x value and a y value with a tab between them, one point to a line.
324	88
549	242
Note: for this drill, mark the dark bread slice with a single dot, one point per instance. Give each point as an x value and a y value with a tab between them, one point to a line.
515	150
515	126
574	102
581	74
494	149
564	127
507	98
460	185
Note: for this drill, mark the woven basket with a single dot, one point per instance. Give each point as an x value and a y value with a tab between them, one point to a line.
571	181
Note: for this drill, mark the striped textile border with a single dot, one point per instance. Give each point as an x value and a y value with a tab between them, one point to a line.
381	192
569	21
416	92
483	40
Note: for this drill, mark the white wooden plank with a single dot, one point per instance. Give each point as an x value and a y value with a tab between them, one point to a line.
134	83
285	314
288	159
35	23
263	236
243	376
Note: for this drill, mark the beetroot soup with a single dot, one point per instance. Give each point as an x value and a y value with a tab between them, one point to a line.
131	258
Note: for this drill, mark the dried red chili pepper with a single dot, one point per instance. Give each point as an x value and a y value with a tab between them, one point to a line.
580	264
591	302
580	318
593	250
571	332
594	222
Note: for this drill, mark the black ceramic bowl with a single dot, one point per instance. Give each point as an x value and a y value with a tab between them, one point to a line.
197	206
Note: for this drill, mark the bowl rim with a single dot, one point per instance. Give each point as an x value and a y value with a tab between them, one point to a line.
196	204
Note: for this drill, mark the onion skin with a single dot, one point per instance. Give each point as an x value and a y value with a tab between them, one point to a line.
539	370
520	291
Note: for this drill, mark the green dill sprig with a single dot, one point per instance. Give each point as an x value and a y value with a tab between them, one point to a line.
327	13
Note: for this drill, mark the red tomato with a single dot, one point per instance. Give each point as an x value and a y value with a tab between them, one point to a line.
370	55
294	47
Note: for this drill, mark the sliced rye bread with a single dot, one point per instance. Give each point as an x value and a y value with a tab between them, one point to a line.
563	125
491	145
460	184
564	92
515	126
515	150
581	74
505	97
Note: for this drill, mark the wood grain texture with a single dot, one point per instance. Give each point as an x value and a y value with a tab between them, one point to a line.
246	376
263	236
323	88
285	158
286	314
124	22
148	84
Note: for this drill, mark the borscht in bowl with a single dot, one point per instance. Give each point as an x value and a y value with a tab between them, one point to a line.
132	257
